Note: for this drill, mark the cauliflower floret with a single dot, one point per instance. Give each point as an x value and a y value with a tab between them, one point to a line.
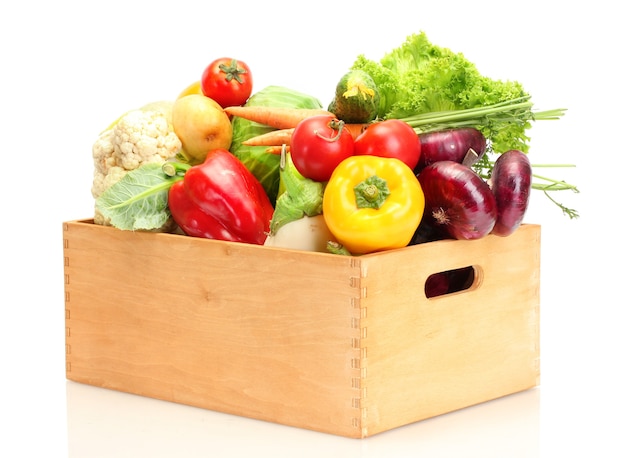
139	137
142	137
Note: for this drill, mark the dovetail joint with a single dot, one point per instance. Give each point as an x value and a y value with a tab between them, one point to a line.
359	356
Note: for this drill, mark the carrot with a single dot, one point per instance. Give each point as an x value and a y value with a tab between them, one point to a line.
276	149
276	117
356	129
283	136
273	138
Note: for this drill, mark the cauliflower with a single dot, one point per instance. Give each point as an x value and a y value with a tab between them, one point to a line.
138	137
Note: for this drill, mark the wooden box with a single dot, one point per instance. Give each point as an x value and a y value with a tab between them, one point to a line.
343	345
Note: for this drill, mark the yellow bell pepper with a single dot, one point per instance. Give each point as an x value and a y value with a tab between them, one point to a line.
372	204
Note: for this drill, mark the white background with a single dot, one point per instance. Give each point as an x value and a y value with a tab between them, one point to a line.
70	68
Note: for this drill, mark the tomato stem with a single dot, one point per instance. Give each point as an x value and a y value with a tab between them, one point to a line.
335	125
232	71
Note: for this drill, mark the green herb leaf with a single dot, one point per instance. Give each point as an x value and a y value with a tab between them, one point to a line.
139	200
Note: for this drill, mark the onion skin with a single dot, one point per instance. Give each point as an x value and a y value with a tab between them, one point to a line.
451	145
458	200
511	181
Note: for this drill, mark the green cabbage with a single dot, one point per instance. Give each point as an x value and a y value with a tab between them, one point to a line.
265	166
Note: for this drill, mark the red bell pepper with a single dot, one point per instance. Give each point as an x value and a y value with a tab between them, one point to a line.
221	199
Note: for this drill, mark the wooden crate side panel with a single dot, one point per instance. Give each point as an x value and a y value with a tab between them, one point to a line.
268	334
424	357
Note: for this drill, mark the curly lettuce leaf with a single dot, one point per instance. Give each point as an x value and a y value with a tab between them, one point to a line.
419	77
139	200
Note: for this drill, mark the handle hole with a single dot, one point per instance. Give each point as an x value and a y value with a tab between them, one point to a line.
450	281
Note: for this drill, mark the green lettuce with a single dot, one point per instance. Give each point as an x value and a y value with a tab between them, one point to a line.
419	77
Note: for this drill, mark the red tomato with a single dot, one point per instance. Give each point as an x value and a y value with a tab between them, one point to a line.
227	81
318	145
390	138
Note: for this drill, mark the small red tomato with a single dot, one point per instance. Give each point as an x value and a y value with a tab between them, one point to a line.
318	145
390	138
227	81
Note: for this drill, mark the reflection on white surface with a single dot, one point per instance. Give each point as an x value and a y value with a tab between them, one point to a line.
105	423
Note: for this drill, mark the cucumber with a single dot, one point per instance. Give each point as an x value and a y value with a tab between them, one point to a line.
356	98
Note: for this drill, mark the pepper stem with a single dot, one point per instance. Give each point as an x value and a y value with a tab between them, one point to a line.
371	192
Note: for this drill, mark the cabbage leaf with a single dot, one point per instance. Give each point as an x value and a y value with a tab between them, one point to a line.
265	166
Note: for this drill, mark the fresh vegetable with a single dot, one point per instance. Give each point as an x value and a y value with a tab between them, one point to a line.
298	196
542	183
201	125
318	145
274	116
221	199
433	88
279	137
356	98
511	184
277	149
264	166
138	137
197	223
420	78
356	129
390	138
138	200
227	81
458	200
309	233
422	105
273	138
465	145
372	204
